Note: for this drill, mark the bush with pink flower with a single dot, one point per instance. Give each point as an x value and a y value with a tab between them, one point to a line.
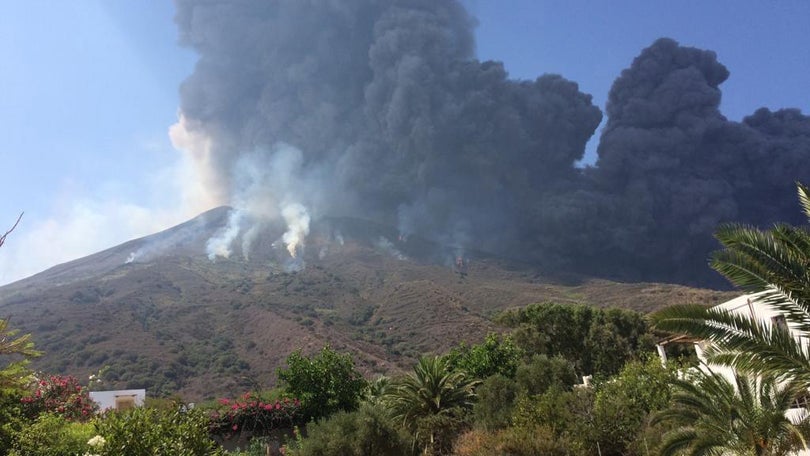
60	395
254	415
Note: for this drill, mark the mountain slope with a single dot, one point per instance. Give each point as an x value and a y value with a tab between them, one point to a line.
164	316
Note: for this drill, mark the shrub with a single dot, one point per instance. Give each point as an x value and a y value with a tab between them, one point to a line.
366	431
513	442
60	395
326	382
542	373
496	400
146	431
252	414
623	405
12	419
493	356
53	435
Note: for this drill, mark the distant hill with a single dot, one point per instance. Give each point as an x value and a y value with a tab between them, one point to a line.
165	317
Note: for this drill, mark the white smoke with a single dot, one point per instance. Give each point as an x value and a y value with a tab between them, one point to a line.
220	244
249	238
388	247
269	186
297	219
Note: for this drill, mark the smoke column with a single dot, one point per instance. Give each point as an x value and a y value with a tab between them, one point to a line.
392	118
297	220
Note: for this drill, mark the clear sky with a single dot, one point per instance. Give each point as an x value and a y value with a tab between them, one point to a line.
89	90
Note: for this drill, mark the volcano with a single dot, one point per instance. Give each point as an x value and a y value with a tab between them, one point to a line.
158	313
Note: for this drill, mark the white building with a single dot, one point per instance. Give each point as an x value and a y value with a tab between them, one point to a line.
750	306
118	400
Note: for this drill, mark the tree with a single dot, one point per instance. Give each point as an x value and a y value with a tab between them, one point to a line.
496	355
12	346
496	401
325	383
432	402
542	372
773	263
623	406
714	416
3	237
596	341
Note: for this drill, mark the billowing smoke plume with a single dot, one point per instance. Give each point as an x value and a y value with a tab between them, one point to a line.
671	167
392	118
268	186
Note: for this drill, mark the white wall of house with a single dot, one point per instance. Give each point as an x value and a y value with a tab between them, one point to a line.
118	399
749	305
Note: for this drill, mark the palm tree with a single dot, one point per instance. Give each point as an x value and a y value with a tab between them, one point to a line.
715	417
431	402
775	264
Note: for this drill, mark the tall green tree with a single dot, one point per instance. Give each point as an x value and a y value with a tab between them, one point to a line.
712	416
775	264
597	341
432	402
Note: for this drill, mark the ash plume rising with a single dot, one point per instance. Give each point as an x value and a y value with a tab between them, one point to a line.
394	119
387	96
671	167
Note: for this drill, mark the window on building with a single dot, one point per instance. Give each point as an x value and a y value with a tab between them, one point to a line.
124	402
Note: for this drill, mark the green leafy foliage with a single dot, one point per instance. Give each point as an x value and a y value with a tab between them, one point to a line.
16	351
542	372
366	431
496	399
53	435
325	383
12	418
595	341
566	415
145	431
496	355
624	404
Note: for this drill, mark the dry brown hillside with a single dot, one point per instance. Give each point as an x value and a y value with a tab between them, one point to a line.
174	321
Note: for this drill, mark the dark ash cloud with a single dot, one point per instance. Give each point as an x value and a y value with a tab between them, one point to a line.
400	123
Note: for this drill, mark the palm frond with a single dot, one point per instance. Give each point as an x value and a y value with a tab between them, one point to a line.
804	199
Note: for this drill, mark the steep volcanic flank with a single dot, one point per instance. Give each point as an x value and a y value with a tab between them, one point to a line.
162	315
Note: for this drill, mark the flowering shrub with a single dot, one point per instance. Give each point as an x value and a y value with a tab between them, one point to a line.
251	414
61	395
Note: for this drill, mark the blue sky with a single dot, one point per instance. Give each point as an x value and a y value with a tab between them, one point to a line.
89	90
